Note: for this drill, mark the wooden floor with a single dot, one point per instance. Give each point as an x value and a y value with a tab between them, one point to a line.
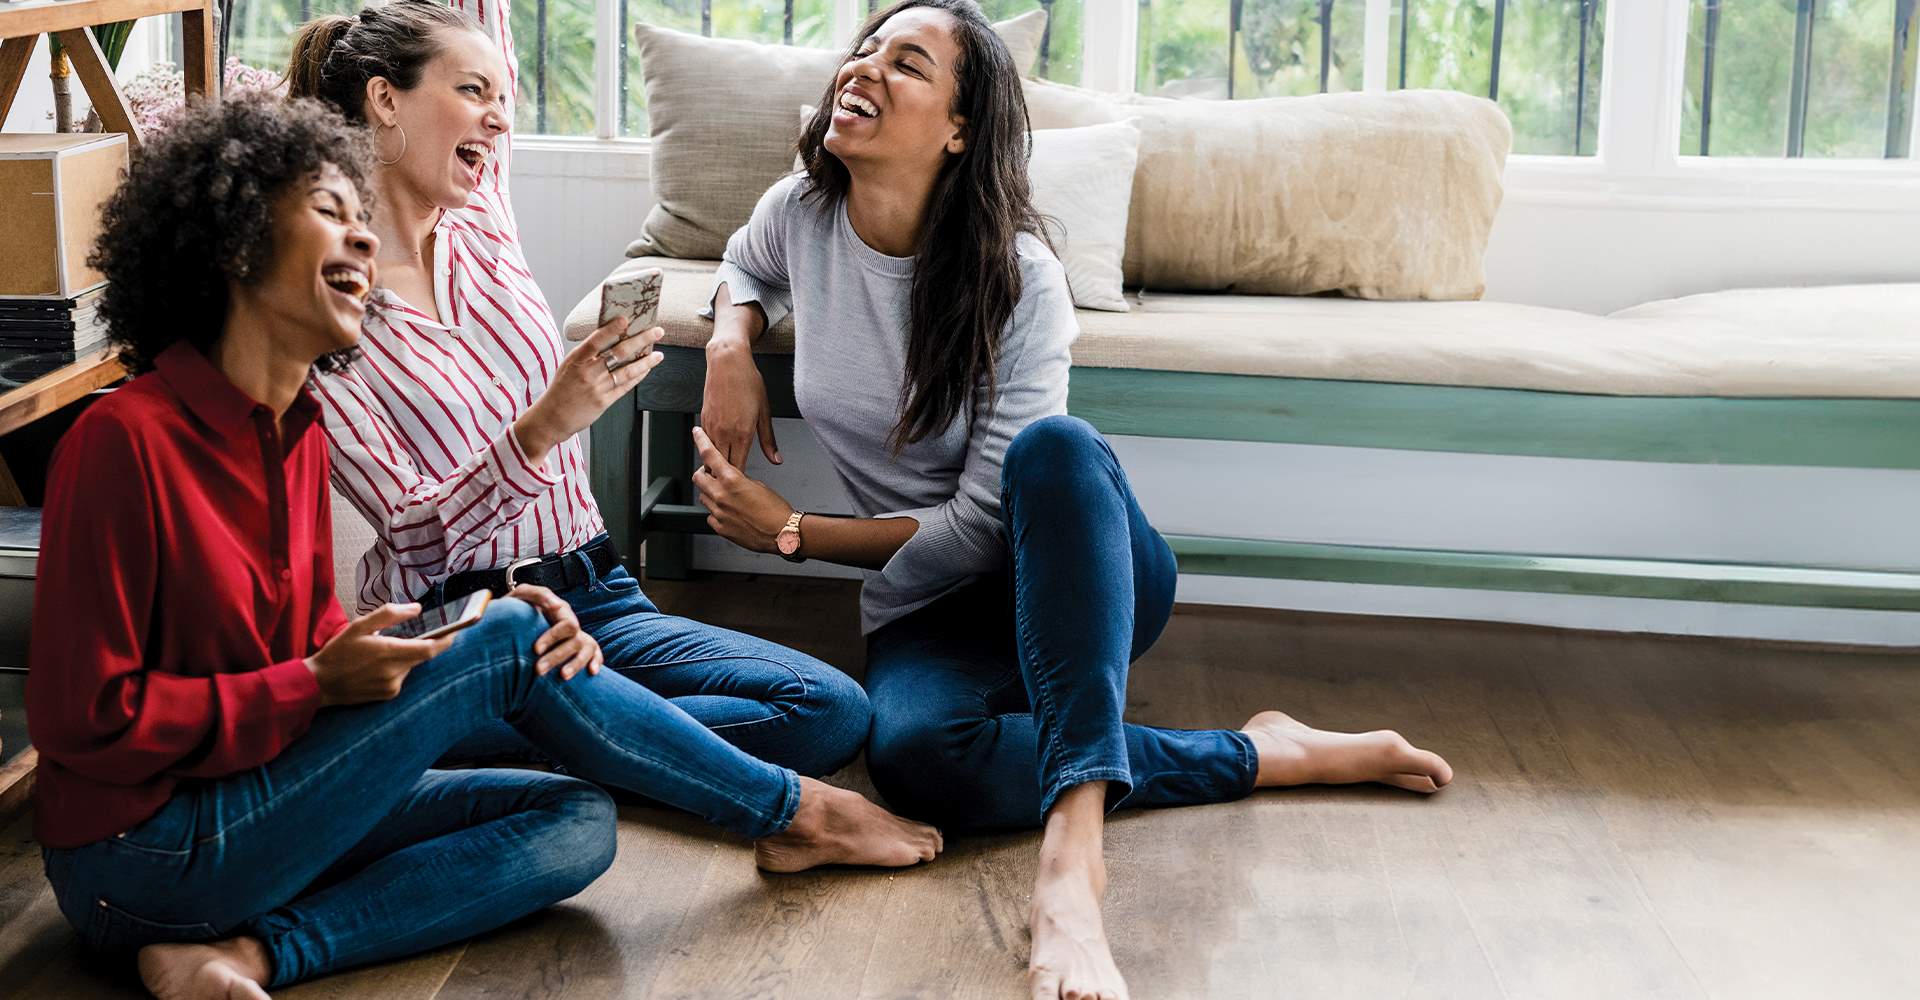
1633	817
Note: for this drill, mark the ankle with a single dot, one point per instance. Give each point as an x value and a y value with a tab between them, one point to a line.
250	955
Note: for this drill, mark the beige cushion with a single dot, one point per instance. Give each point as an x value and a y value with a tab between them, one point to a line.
1378	196
1855	341
722	126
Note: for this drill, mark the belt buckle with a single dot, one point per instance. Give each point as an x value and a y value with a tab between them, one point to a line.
518	565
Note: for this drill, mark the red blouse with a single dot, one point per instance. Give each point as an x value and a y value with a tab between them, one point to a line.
185	574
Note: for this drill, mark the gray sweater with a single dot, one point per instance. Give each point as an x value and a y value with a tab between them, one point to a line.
850	308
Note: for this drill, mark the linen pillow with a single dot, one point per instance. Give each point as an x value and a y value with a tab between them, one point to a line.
1082	180
1376	196
722	130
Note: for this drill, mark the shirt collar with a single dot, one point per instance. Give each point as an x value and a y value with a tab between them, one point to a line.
207	393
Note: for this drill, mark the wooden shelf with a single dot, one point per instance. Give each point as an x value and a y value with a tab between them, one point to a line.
68	14
57	388
68	20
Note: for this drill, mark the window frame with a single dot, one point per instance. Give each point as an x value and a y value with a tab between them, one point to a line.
1638	161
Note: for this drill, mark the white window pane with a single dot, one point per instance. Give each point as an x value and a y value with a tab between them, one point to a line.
797	22
1060	48
1548	62
1750	62
262	31
1279	48
554	42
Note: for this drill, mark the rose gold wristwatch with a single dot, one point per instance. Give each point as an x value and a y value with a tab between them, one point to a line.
788	540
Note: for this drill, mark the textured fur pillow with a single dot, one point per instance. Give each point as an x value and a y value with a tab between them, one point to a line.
721	114
1377	196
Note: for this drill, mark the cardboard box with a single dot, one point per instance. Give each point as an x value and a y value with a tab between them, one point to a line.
51	190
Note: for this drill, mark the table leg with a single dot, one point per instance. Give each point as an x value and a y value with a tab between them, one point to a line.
10	494
108	101
14	54
198	41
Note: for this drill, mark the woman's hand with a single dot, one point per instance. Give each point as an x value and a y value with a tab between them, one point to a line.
566	645
735	405
359	665
741	510
593	375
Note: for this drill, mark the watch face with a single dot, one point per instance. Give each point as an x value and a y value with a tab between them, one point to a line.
789	542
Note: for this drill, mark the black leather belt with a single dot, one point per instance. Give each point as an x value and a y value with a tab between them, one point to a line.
559	573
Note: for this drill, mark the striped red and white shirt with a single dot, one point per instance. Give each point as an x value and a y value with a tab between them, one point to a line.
420	426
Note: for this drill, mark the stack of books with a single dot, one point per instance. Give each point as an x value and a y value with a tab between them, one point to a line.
38	326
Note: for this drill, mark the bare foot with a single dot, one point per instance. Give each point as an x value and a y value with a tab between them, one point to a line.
1071	960
833	826
233	969
1293	753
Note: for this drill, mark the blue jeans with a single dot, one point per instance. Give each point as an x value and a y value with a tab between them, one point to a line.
994	699
348	849
780	705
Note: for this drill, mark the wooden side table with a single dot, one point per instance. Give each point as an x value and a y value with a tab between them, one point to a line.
68	20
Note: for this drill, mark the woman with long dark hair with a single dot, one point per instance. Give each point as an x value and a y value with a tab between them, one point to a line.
237	784
1013	577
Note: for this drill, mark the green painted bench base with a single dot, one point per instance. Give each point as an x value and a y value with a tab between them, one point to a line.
656	503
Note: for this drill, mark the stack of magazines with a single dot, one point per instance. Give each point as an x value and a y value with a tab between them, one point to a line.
37	326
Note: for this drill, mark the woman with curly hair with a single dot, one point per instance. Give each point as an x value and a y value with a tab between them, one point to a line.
456	431
236	784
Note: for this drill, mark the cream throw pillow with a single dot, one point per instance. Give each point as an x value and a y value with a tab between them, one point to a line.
1377	196
722	128
1082	181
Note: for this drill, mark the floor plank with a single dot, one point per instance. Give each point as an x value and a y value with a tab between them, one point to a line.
1633	816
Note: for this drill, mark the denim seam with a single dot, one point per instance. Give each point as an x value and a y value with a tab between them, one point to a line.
797	675
606	737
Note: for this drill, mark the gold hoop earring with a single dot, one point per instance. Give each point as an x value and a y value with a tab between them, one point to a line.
397	156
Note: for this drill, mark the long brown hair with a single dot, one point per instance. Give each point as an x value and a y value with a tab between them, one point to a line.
335	55
966	270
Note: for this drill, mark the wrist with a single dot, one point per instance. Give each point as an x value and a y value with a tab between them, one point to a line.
533	435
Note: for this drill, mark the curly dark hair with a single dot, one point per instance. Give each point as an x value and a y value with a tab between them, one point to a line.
196	211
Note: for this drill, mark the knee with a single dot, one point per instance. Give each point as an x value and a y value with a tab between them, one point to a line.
582	839
1050	451
840	717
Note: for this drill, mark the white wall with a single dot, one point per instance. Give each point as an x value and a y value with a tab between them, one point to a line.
1590	251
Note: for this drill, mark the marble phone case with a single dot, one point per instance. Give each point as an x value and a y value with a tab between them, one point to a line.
635	296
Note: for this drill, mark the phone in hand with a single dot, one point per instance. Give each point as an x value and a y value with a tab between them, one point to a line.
446	619
635	296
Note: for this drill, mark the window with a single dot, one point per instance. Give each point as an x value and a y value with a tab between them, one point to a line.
1539	58
791	22
261	34
1815	78
1759	78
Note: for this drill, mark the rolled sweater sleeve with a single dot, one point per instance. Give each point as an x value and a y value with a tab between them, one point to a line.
964	536
754	266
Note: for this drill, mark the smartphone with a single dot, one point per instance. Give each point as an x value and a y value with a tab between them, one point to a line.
635	296
446	619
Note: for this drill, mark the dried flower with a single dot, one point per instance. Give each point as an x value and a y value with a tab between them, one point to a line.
157	96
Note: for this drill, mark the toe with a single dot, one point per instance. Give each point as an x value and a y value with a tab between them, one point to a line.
1045	984
1412	782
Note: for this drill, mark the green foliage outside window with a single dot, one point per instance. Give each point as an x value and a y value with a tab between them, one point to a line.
1190	48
